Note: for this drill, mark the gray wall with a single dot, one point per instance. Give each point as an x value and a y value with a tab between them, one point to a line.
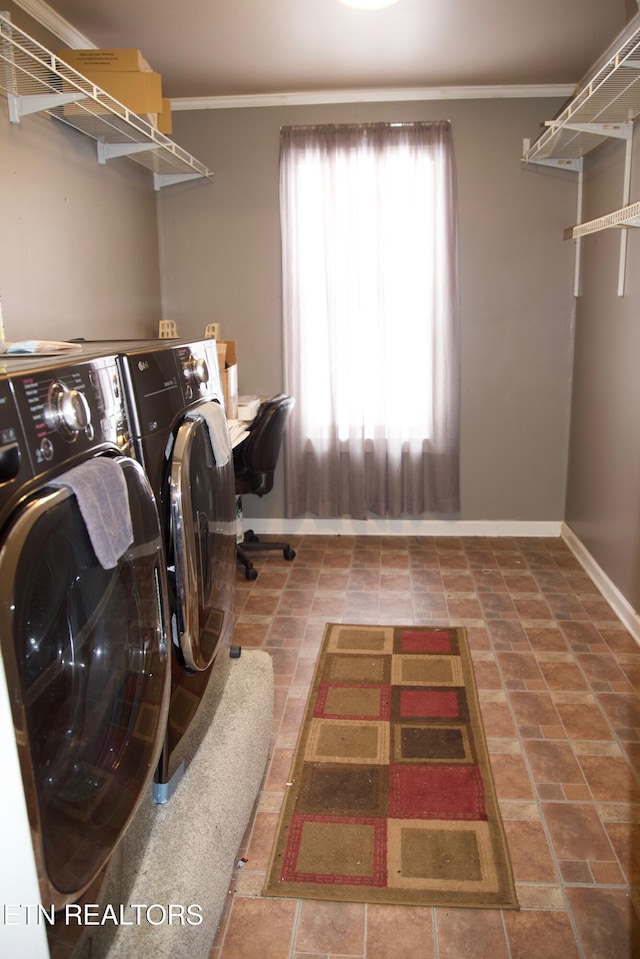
603	491
78	241
221	262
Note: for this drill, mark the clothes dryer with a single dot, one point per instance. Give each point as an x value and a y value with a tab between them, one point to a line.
83	611
176	407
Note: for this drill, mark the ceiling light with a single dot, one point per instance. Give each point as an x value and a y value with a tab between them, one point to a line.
368	4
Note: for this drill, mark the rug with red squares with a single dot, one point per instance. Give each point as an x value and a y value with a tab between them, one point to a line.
390	797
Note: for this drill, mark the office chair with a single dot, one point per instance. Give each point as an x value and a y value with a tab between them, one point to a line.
254	461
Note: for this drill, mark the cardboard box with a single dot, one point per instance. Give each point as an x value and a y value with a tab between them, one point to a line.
221	349
164	118
120	60
230	391
139	92
229	378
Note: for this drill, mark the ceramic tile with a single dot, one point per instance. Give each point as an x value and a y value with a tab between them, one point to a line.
507	633
519	666
540	935
467	932
606	920
511	777
395	931
259	927
625	839
610	779
584	721
533	708
278	770
335	927
497	720
262	836
532	896
553	762
577	833
530	853
559	674
548	638
461	582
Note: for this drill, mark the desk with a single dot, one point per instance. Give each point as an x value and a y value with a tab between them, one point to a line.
238	431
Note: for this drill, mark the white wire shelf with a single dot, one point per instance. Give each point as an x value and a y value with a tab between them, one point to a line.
626	216
36	80
604	106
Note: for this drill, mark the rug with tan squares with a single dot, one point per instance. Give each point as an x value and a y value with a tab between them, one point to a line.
391	797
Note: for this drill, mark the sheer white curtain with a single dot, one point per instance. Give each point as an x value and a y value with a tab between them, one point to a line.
370	312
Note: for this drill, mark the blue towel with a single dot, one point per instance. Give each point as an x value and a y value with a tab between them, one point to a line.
214	416
101	491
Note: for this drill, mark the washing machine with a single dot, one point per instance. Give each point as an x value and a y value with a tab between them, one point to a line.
176	408
83	612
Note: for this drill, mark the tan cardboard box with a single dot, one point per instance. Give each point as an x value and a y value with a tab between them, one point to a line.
139	92
229	378
164	118
118	59
221	349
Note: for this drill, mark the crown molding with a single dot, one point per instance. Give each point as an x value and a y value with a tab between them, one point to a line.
521	91
43	14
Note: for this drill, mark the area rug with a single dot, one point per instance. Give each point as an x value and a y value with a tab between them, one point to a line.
391	797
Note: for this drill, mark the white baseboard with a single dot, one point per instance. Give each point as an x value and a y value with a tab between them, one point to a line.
310	526
619	604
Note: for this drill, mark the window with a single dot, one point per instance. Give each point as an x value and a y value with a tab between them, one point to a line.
370	319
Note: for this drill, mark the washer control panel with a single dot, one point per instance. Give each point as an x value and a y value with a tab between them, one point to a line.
70	410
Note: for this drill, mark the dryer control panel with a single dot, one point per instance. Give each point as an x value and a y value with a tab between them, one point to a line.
199	366
164	381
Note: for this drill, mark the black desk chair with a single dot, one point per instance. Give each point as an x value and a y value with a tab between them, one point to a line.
254	461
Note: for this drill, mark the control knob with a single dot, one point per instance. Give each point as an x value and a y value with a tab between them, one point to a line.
68	411
196	370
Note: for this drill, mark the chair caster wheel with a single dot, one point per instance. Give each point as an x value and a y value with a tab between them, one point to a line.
289	553
235	652
251	573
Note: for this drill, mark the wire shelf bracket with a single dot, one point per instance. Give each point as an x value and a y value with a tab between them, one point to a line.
168	179
23	106
559	163
109	151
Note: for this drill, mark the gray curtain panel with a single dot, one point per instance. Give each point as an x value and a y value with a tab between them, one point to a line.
371	327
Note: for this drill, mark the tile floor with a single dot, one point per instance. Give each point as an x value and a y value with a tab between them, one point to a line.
558	678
